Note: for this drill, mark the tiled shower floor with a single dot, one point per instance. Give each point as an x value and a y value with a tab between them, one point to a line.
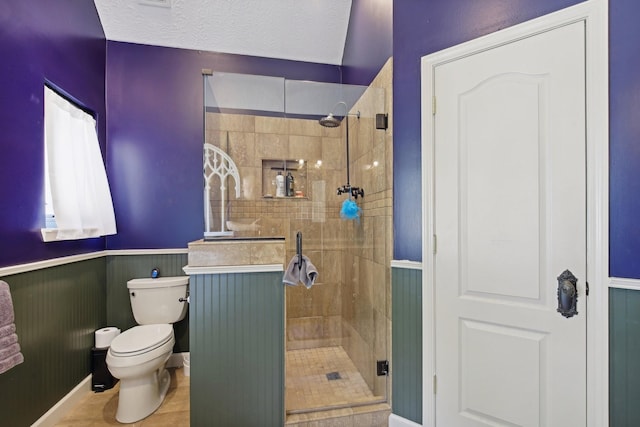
308	384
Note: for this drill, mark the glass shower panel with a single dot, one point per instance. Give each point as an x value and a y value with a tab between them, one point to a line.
244	92
337	331
307	98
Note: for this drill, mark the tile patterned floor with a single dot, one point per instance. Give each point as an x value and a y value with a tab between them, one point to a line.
307	387
99	409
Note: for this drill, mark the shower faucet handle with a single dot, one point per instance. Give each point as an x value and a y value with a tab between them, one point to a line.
357	191
353	191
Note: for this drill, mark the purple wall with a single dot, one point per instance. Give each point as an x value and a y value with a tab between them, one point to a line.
421	28
61	42
369	41
155	136
155	123
624	143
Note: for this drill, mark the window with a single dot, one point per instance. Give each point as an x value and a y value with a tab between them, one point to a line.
77	200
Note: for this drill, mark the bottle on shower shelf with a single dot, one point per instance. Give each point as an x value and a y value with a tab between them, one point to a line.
280	190
289	184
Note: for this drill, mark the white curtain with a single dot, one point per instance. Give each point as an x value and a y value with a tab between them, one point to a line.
80	192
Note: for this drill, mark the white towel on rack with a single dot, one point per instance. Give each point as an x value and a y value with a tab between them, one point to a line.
297	272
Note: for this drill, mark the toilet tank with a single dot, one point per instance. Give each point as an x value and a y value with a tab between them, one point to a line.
158	300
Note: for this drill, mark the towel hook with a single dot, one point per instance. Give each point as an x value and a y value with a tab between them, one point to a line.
299	249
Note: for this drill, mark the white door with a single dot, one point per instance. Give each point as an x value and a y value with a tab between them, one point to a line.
509	218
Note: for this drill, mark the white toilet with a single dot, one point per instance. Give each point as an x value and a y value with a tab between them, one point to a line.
138	356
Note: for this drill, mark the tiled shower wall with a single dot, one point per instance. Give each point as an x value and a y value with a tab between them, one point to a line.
350	303
313	315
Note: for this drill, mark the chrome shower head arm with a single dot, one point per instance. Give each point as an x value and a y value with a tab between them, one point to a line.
346	110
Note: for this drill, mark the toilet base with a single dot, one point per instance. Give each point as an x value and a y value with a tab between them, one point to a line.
139	397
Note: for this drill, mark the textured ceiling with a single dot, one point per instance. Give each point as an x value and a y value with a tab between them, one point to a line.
302	30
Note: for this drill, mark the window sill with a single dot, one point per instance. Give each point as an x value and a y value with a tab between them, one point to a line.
58	234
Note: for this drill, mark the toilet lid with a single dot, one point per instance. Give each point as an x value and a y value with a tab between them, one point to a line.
141	339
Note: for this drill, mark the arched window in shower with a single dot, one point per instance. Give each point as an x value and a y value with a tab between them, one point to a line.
218	167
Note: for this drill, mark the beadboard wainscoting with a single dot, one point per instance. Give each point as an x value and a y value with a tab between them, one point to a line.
624	347
57	309
406	332
237	349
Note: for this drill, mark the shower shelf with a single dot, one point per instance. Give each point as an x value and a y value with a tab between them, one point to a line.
271	167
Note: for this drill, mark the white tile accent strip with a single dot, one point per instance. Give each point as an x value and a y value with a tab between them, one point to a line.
222	269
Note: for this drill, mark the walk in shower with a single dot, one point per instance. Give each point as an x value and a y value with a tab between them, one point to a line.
336	332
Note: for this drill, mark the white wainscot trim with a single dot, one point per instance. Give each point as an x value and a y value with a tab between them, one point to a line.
54	262
398	421
169	251
621	283
403	263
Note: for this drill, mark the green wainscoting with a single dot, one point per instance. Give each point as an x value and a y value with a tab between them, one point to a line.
624	360
57	310
237	350
122	268
406	346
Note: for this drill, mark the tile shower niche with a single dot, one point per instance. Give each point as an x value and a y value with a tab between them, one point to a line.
297	168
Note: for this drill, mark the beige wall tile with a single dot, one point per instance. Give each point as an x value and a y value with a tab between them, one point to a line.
276	125
304	127
230	122
241	149
308	148
333	153
267	252
336	132
272	146
251	184
216	137
220	253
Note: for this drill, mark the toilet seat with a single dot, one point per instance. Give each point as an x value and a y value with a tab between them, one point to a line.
141	339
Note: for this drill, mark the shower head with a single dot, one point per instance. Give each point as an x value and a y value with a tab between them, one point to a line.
329	121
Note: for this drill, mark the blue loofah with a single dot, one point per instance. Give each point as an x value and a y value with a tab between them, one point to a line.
350	210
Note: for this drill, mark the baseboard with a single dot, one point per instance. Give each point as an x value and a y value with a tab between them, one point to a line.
397	421
60	409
